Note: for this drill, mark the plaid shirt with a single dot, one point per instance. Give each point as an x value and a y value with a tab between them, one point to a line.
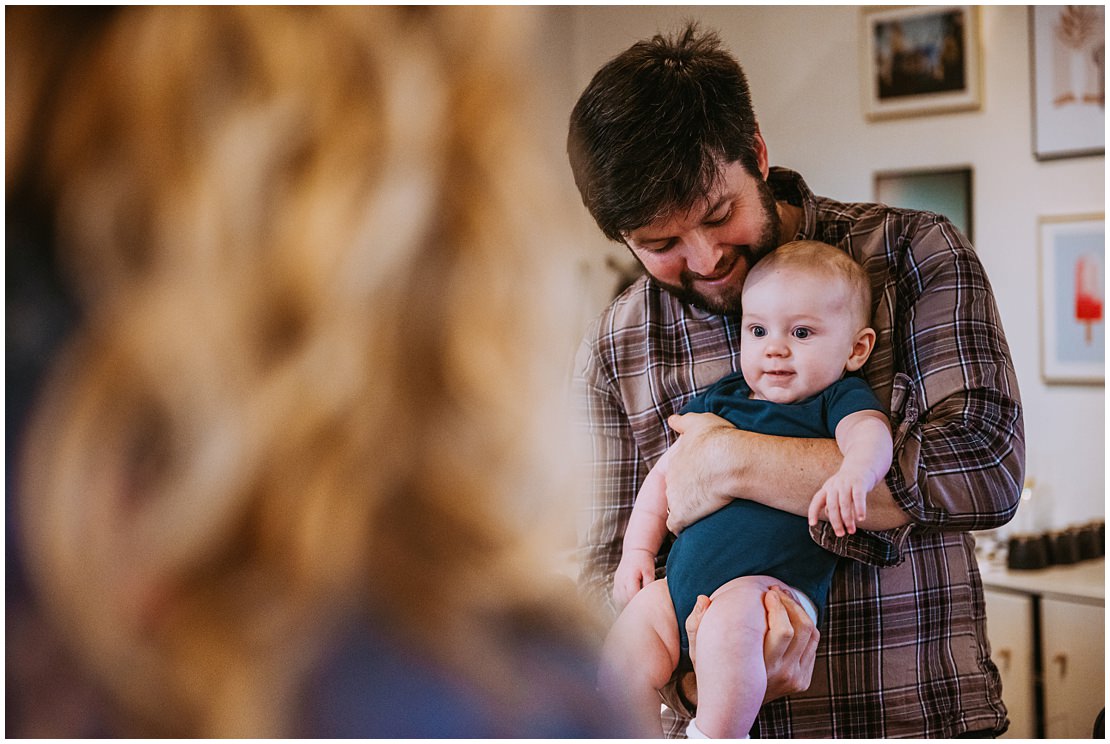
904	652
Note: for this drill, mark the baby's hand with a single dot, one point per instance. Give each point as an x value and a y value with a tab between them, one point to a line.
843	500
636	570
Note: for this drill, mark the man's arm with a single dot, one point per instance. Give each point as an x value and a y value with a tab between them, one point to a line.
713	462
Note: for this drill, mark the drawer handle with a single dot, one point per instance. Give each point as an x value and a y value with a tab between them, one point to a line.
1004	659
1061	660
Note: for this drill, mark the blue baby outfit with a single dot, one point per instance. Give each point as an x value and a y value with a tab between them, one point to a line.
746	538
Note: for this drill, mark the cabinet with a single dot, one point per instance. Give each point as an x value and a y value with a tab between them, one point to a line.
1047	635
1010	629
1072	646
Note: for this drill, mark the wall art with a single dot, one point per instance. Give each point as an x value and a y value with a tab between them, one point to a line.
1069	80
1073	298
921	60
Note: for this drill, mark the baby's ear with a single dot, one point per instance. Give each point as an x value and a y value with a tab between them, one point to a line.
861	349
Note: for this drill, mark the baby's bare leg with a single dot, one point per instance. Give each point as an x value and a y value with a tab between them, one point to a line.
732	678
640	655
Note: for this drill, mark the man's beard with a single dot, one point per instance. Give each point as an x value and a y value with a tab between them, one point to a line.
729	303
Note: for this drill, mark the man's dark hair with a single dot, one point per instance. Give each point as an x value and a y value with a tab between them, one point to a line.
650	132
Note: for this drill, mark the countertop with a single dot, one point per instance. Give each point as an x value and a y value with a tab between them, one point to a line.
1084	581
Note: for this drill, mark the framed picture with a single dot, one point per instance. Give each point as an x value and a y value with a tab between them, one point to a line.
920	60
945	191
1073	315
1069	80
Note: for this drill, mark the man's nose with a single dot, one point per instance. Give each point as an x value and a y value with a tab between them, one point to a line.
703	254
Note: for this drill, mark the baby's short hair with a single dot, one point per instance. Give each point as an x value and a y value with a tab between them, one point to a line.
817	257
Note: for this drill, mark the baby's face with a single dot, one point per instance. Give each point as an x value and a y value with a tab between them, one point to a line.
798	331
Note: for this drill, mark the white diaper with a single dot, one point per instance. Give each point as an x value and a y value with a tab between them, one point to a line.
806	603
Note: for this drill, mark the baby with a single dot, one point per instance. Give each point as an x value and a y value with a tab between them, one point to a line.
806	323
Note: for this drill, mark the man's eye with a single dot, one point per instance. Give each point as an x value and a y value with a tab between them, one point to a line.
658	247
720	220
801	333
759	331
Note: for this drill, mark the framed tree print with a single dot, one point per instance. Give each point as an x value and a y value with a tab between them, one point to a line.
1069	80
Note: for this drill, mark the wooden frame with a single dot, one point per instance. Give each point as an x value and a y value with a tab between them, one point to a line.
920	60
1067	53
1072	251
946	191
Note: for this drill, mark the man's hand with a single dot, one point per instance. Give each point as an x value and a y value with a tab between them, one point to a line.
697	468
635	571
790	646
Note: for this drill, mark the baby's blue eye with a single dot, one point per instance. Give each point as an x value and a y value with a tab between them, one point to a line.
801	333
759	331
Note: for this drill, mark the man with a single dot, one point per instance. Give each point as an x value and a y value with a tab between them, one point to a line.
669	159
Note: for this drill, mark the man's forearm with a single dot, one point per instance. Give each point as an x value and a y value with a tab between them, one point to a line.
785	472
714	462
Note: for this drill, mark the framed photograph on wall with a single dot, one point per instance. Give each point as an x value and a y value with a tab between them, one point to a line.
945	191
1069	80
1073	307
920	60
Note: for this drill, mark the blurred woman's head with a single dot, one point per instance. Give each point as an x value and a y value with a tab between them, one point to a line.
321	347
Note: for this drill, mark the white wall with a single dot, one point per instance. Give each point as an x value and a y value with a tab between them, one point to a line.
804	68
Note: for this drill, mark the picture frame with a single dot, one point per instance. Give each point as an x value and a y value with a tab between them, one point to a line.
1067	54
945	191
920	60
1072	260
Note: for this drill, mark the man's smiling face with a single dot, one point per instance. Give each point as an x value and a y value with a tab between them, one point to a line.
703	256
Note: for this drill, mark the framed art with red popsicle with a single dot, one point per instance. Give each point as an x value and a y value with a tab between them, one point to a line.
1072	298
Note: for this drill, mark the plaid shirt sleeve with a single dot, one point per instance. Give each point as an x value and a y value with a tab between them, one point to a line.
959	433
614	472
959	443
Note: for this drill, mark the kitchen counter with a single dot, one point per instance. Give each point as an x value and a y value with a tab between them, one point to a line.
1084	581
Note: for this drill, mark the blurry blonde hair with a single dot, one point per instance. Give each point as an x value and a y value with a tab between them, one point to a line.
321	352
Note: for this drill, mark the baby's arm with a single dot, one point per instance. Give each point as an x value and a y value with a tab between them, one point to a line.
864	440
644	535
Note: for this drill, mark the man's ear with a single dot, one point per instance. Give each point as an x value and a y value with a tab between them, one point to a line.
761	154
861	349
